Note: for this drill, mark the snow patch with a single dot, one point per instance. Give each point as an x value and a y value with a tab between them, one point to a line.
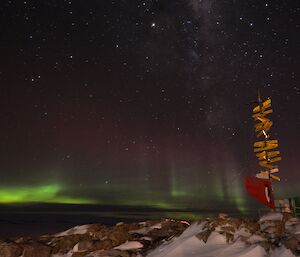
216	246
78	230
216	239
75	248
271	217
129	245
188	245
244	232
146	238
146	230
282	252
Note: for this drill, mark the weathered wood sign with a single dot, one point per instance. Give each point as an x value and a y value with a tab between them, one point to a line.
267	153
267	149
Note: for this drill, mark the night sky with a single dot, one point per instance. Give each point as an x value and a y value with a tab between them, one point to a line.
145	103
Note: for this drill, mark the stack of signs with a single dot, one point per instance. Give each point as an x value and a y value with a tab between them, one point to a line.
267	154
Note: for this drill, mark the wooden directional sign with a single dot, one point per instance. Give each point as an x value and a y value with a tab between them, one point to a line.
266	149
267	153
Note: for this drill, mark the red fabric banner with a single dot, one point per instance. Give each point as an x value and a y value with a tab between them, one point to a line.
261	189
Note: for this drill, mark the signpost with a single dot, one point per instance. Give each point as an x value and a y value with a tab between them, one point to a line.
267	153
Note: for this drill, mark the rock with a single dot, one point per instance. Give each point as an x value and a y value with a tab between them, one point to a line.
287	216
23	240
251	225
272	225
273	230
176	226
243	233
109	253
66	243
98	240
204	235
79	254
223	216
84	245
136	255
10	250
266	245
95	227
93	245
132	226
119	235
158	234
44	239
292	226
36	250
167	230
229	237
236	223
103	245
150	223
293	244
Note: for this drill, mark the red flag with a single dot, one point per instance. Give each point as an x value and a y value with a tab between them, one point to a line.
261	189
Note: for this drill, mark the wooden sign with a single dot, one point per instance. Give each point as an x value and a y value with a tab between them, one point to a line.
266	149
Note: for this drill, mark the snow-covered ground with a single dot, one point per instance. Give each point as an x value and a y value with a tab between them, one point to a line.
188	245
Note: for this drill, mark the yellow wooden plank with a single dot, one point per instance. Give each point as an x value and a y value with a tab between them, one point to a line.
261	115
261	108
275	177
277	159
265	145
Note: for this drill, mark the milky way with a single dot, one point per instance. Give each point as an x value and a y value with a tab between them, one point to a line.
144	103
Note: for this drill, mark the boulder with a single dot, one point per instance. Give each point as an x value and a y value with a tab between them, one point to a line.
119	235
266	245
102	245
251	225
83	246
136	255
223	216
65	243
204	235
293	244
95	227
87	246
79	254
36	250
10	250
167	230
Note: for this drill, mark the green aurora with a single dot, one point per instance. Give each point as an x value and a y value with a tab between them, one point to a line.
181	197
44	193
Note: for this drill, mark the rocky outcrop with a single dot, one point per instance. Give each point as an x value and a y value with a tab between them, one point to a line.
122	240
36	250
10	250
136	240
